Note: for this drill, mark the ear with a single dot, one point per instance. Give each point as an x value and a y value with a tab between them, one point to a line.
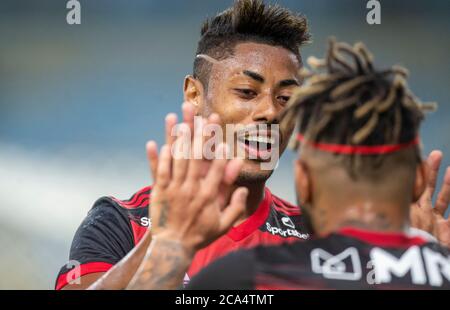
420	181
302	182
193	93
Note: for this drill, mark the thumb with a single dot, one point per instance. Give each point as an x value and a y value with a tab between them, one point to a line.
234	210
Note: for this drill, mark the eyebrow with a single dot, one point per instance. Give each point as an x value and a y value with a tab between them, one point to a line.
290	82
258	77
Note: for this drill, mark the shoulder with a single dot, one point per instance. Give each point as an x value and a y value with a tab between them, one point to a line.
140	199
109	231
135	208
132	214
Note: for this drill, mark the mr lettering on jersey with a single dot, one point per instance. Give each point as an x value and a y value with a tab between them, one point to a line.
424	266
432	268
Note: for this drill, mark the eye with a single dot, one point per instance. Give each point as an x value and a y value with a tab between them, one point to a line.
283	99
246	93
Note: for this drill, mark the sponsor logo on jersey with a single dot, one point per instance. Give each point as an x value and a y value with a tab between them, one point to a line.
288	222
343	266
286	232
146	222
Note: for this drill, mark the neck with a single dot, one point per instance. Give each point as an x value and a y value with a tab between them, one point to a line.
365	214
254	199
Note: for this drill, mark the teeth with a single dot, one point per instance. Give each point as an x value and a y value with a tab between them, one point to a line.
260	139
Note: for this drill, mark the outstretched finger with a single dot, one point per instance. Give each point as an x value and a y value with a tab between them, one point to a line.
195	164
443	198
232	171
216	171
231	174
152	157
433	163
171	121
163	172
234	210
181	149
188	115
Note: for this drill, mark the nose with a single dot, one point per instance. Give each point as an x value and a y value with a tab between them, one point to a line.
265	110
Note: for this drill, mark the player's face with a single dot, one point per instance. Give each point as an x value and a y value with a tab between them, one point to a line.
251	88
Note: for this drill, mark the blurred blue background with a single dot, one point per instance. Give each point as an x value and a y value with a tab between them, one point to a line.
78	103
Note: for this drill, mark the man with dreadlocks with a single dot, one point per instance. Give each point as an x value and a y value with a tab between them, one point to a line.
359	169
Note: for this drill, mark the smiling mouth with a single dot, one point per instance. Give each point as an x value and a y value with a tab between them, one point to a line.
258	146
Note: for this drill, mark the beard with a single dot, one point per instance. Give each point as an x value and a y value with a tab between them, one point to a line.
249	178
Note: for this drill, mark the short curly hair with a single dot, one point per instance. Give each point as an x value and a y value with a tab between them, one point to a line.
248	21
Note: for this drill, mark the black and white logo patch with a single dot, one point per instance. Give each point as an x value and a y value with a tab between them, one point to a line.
343	266
288	222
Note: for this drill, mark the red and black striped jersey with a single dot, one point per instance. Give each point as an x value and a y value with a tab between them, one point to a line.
113	227
350	259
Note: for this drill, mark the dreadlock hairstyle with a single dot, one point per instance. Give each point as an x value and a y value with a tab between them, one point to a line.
349	108
248	21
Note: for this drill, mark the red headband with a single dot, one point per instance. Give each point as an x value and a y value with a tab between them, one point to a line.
358	149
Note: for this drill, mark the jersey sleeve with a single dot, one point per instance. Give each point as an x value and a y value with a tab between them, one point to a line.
104	237
232	272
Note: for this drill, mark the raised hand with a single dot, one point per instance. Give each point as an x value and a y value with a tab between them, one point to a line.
170	123
187	204
190	208
423	214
